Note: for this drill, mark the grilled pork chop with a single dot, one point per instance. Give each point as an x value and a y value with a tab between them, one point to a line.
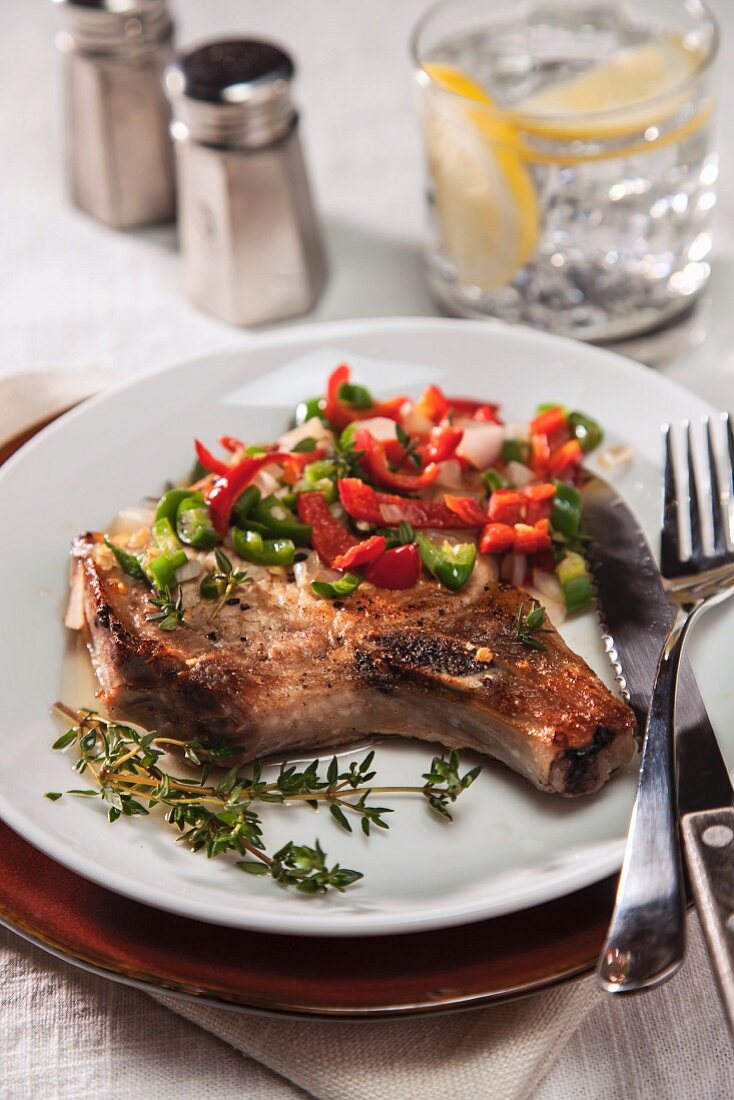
280	670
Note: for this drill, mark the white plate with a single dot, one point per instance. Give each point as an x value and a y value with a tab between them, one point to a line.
510	847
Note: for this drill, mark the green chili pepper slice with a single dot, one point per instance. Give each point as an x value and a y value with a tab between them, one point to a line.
164	536
129	563
451	565
577	594
575	581
244	504
251	546
307	410
566	512
169	502
212	587
588	432
161	570
347	584
194	525
320	477
493	479
515	450
280	520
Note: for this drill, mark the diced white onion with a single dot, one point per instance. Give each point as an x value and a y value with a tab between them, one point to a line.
414	422
519	567
482	444
311	429
312	569
380	428
188	571
451	476
487	569
266	483
519	475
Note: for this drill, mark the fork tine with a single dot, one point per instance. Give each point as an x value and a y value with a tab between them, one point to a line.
729	487
694	509
669	536
718	505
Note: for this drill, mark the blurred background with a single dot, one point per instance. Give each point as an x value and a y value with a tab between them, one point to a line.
76	293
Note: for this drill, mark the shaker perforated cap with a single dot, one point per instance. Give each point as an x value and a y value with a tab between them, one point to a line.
234	93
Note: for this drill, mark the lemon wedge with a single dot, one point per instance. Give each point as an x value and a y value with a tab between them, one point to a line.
486	204
637	88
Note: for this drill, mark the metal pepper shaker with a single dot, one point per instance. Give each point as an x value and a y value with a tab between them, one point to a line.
120	162
250	239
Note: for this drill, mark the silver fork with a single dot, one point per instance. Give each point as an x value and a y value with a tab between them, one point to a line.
646	939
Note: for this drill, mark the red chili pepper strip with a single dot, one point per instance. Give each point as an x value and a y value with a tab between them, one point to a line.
365	504
330	540
497	538
295	463
230	443
441	445
332	404
375	463
433	404
361	501
550	421
546	491
340	415
539	502
539	455
568	454
467	509
225	490
488	414
209	461
506	506
395	569
530	540
477	410
361	554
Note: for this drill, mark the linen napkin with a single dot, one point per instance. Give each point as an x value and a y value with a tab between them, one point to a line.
671	1042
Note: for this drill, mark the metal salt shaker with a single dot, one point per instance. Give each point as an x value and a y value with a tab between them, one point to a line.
120	160
251	244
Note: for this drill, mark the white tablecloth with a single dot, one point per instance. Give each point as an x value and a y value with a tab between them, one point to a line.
77	296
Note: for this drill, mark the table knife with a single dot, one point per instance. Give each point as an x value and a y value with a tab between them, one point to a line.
636	613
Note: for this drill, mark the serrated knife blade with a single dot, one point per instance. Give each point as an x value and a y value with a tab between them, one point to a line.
636	615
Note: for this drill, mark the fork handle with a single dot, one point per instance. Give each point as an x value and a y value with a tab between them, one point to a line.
646	939
708	838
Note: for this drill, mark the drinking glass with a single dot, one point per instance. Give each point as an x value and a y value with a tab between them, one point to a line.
570	164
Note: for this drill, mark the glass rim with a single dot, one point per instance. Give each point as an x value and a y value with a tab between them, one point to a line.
568	117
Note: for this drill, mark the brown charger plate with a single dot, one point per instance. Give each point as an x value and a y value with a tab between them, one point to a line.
371	977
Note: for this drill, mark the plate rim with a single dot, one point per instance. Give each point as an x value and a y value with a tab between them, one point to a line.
313	333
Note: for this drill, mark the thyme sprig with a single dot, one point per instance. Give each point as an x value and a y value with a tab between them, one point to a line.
220	815
348	459
410	446
170	612
227	579
528	625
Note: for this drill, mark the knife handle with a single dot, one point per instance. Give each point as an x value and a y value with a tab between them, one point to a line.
708	839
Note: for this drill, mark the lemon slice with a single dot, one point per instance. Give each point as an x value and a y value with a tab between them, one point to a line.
486	203
641	83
